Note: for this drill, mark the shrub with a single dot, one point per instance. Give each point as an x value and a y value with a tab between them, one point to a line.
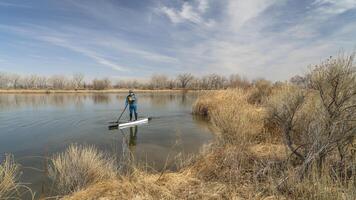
230	111
8	177
80	166
262	89
317	122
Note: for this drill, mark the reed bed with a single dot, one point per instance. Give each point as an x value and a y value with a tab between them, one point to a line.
8	177
79	167
251	158
278	141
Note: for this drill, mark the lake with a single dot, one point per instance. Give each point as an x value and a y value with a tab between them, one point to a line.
35	126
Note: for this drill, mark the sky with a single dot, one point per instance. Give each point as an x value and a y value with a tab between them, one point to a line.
133	39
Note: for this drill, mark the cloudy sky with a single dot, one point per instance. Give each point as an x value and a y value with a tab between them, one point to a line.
275	39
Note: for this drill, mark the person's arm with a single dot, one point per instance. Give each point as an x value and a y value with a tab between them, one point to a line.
126	101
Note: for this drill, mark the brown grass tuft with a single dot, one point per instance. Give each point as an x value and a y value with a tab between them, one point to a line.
80	166
8	177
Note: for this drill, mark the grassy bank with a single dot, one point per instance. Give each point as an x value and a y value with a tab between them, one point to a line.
276	141
49	91
249	160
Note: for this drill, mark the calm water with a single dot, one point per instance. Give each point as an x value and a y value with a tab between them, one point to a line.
33	126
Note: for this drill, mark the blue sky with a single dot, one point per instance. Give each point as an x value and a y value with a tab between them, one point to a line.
124	39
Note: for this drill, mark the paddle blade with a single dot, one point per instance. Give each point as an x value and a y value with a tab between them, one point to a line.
114	126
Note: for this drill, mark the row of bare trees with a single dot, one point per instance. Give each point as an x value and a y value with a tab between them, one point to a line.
157	81
15	81
188	81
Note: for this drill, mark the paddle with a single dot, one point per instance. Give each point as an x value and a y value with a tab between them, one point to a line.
116	122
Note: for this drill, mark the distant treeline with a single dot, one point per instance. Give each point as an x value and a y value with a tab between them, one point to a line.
158	81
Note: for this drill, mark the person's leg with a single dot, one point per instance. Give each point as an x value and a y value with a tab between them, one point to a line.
135	111
131	109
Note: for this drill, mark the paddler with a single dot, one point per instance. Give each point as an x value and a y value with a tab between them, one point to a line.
131	101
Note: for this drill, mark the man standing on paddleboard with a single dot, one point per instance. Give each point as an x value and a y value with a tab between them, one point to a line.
131	101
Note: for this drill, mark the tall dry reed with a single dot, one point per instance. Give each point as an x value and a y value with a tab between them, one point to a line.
8	177
80	166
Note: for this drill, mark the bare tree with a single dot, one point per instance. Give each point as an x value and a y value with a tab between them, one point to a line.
236	80
172	84
299	81
58	82
185	79
101	84
15	80
4	80
159	81
214	81
196	84
78	79
42	82
30	82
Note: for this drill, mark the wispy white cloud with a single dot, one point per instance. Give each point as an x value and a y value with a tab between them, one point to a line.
7	4
241	12
89	43
203	5
189	12
58	39
334	6
257	38
250	40
91	54
122	46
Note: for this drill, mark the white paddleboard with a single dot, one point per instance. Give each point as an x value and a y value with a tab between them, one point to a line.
133	123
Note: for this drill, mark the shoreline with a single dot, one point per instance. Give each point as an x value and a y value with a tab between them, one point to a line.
81	91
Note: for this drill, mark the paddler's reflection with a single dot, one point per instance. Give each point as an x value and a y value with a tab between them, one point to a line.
133	136
129	143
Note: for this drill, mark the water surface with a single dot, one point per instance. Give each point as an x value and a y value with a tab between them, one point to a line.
34	126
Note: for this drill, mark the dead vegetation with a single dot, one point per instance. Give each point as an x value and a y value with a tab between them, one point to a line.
277	141
8	176
10	187
315	125
79	167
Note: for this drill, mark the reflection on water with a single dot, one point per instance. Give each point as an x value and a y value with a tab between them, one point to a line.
129	144
8	101
133	136
35	126
101	99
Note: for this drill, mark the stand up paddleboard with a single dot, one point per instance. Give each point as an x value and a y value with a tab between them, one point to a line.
133	123
129	124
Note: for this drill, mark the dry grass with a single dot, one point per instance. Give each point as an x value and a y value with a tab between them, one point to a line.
142	185
79	167
254	155
232	114
8	177
10	187
250	156
247	161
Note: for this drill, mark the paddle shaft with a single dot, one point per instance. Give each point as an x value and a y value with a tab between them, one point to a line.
122	114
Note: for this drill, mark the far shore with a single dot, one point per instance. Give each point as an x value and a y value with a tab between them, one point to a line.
50	91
